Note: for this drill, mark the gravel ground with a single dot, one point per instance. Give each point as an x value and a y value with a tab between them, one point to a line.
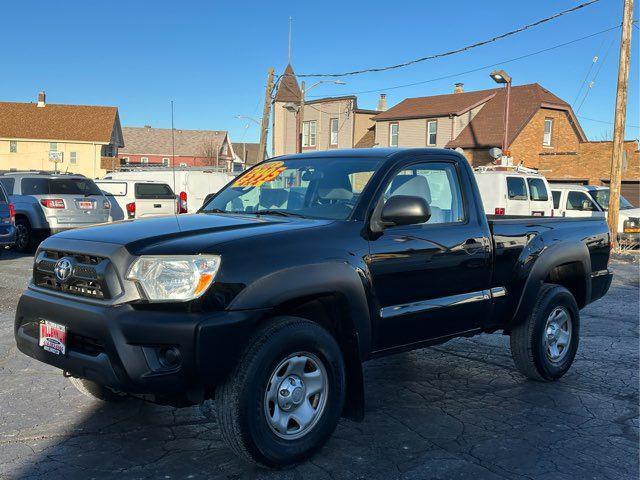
455	411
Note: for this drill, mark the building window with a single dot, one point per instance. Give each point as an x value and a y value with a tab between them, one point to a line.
309	130
53	147
165	161
432	130
547	139
73	158
334	131
393	134
144	160
13	146
183	164
125	160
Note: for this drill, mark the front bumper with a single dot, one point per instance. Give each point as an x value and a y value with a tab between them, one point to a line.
7	235
121	346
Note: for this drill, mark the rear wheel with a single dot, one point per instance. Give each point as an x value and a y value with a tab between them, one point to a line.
25	242
545	344
286	395
95	390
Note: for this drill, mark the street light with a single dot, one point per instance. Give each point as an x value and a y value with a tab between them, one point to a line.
241	117
300	110
500	76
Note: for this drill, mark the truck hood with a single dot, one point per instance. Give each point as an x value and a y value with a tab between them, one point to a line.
198	229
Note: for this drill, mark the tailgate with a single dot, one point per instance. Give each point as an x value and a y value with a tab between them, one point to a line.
154	199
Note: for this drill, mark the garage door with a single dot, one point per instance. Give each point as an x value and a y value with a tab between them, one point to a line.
630	189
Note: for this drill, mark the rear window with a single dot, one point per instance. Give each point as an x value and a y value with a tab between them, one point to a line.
516	188
59	186
537	190
7	183
154	191
556	198
117	189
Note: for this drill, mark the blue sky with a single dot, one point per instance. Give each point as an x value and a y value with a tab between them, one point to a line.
211	57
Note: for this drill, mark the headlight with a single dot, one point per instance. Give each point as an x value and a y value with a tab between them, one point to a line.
176	278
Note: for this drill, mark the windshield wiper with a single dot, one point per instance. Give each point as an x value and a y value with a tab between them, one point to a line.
215	210
282	213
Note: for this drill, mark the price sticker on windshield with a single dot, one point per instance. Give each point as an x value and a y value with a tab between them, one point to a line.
266	172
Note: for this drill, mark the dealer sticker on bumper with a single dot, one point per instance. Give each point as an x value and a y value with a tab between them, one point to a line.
53	337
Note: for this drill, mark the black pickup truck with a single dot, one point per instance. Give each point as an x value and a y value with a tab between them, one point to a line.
265	304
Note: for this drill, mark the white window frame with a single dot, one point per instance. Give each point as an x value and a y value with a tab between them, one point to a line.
434	133
144	159
53	146
391	134
547	137
309	133
13	146
333	133
165	161
73	158
183	164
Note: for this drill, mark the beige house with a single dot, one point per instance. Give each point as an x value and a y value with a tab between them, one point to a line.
327	123
82	138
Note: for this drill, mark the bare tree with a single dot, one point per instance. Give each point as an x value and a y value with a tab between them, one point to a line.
210	153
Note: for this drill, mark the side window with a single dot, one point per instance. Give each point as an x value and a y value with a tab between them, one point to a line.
556	198
579	201
3	197
393	134
7	183
537	190
516	189
34	186
438	184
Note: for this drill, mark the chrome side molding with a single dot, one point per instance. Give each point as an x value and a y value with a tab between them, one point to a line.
441	302
600	273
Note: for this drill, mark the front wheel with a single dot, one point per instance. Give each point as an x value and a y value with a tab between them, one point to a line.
286	395
544	346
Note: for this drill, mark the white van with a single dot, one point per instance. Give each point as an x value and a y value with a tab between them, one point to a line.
191	185
514	191
137	199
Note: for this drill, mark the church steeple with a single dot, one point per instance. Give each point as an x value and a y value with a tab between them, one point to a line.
288	88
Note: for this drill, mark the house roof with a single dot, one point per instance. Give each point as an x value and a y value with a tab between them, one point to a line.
82	123
288	89
247	152
487	127
436	106
159	141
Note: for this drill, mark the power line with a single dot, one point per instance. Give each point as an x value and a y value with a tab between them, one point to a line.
595	59
595	77
458	50
605	122
484	67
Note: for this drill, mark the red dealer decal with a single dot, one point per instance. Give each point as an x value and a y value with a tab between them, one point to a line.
266	172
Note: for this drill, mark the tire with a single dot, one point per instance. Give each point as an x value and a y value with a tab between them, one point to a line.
247	409
25	241
532	342
95	390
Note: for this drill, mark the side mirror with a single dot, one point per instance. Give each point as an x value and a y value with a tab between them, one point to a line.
405	210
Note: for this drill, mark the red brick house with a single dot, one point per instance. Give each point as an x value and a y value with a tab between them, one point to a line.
193	148
544	133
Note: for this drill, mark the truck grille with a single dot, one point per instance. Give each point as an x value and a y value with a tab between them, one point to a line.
80	274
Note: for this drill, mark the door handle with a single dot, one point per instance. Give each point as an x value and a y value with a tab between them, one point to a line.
472	246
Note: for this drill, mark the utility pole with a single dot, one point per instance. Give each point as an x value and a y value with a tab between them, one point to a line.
266	112
300	118
619	122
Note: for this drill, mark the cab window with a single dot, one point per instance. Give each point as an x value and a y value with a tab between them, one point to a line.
516	189
537	190
580	201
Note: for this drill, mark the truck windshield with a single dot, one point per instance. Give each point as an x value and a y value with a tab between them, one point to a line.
602	198
325	188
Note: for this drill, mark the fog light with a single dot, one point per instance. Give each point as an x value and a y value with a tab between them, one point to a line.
170	357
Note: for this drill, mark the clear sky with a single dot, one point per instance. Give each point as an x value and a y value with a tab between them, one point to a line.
211	57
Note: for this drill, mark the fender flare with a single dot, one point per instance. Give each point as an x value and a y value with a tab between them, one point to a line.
548	257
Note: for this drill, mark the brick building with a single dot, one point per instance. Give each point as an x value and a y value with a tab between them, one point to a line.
193	148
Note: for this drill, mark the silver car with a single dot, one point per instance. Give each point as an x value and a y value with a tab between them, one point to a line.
46	203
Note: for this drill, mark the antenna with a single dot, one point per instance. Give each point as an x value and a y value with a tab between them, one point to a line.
290	20
173	150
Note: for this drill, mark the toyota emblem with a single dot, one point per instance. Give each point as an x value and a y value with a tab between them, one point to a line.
63	269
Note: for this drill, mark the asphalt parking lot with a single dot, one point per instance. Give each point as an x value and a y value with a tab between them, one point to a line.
455	411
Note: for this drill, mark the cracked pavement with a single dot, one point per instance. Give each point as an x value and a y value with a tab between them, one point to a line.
454	411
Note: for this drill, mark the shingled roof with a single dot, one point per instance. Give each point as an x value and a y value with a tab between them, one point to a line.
159	141
81	123
487	127
288	89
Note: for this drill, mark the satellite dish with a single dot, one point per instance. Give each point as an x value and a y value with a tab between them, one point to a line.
495	152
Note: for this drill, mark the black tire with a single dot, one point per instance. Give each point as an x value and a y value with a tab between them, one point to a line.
528	347
240	402
95	390
25	241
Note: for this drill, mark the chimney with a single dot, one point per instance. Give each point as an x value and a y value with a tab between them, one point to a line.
41	99
458	88
382	102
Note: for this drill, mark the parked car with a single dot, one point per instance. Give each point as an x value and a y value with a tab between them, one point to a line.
190	184
514	191
7	221
593	201
46	203
272	296
137	198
